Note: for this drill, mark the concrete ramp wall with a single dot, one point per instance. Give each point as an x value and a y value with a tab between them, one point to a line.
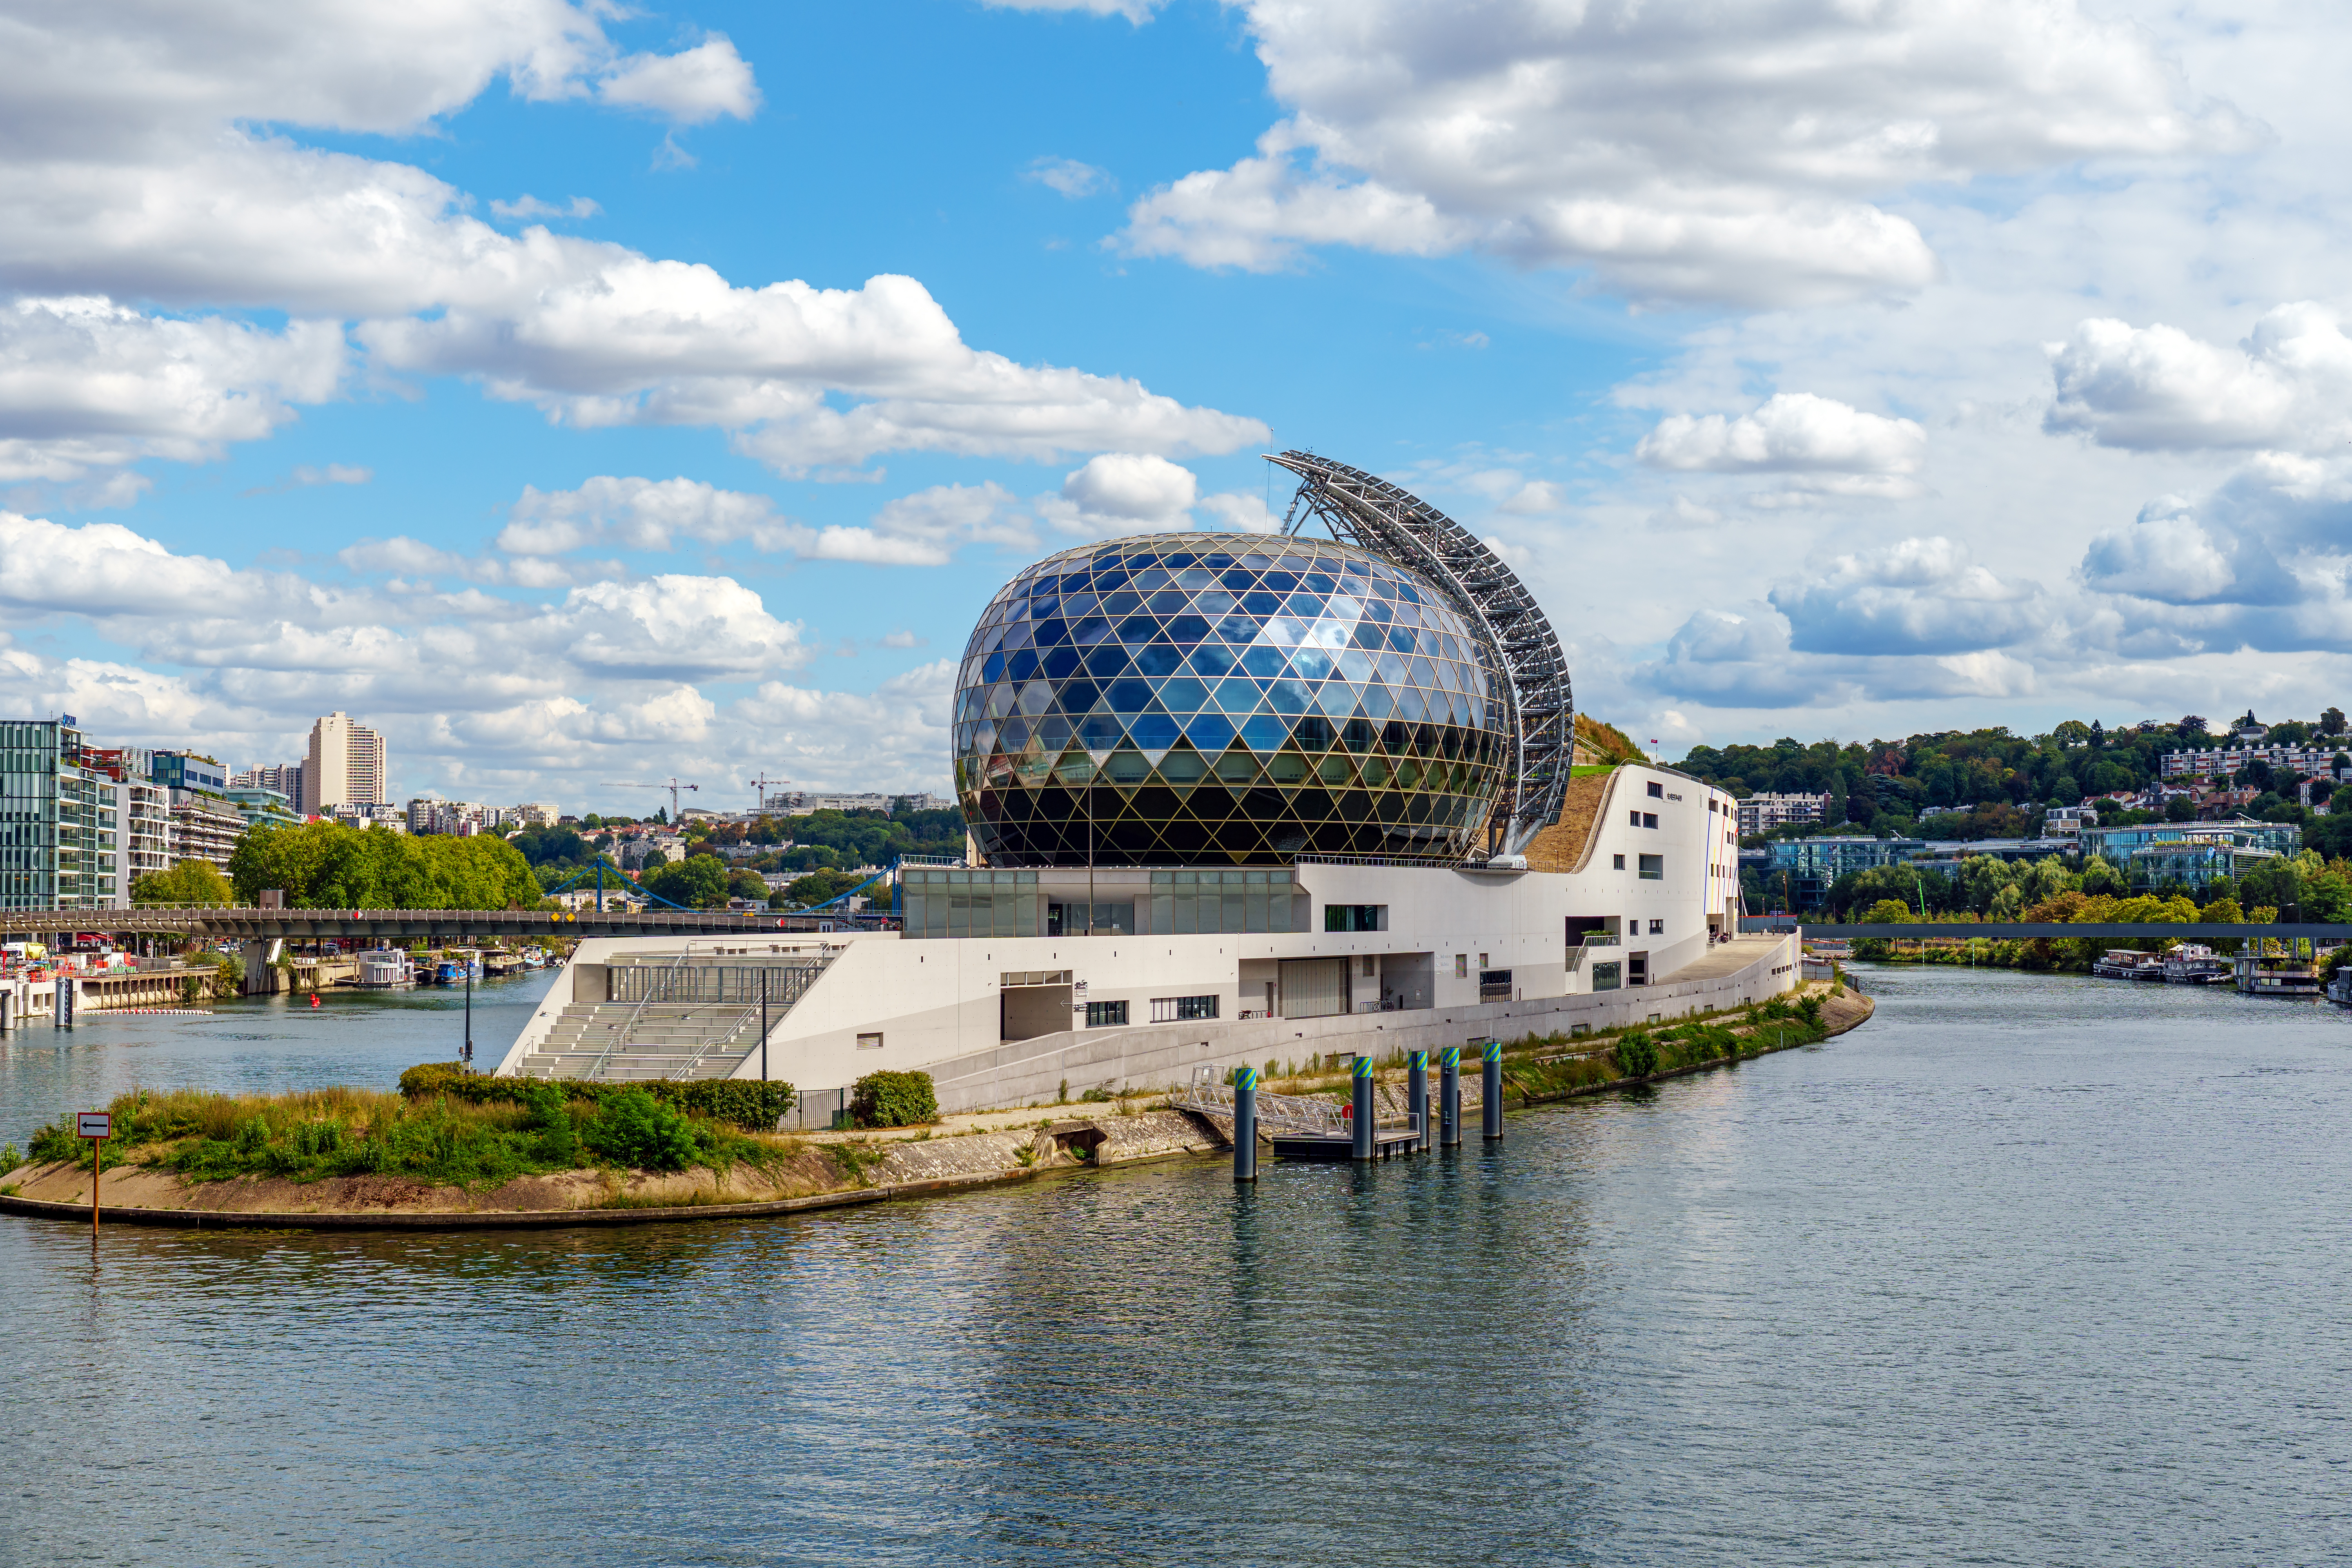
1163	1055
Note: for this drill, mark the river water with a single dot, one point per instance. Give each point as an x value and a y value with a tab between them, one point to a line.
2026	1270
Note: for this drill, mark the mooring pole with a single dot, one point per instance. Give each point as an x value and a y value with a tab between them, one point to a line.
1363	1108
1417	1088
1449	1098
1490	1091
1245	1124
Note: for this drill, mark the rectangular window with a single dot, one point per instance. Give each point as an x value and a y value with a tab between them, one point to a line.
1493	985
1636	821
869	1042
1355	917
1657	928
1657	792
1617	862
1653	869
1371	966
1461	966
1649	819
1105	1015
1607	976
1181	1009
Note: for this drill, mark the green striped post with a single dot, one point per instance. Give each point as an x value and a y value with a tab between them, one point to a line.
1417	1095
1490	1089
1245	1124
1449	1098
1362	1109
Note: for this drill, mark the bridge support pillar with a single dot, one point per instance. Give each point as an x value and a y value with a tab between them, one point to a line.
260	977
1245	1124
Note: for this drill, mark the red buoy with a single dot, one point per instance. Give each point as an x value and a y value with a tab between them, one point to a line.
314	998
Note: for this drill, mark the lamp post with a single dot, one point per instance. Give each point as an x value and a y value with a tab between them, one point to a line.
470	1011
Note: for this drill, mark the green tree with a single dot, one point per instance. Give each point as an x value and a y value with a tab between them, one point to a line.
747	885
699	883
2101	875
1887	912
197	882
325	865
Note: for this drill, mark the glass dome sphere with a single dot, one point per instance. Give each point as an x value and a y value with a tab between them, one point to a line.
1222	699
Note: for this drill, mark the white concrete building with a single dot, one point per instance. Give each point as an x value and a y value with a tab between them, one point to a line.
1230	798
346	765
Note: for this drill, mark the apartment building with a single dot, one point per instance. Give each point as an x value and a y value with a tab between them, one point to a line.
1763	812
2319	762
61	821
203	826
347	765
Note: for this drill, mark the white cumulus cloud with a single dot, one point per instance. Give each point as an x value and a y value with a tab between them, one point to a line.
2288	385
1725	152
1825	444
1123	492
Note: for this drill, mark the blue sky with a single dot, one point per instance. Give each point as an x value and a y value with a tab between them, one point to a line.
1824	372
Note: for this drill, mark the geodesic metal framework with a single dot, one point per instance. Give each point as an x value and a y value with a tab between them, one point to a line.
1539	709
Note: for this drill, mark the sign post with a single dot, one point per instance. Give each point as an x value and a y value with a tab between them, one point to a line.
97	1126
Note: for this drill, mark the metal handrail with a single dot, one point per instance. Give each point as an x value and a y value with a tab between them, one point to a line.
597	1070
707	1045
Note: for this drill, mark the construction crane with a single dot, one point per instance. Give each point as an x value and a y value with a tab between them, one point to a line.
760	800
670	784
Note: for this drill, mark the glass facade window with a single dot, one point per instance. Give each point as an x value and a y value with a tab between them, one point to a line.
1105	1015
1652	868
1211	698
1183	1009
944	902
1104	920
1355	917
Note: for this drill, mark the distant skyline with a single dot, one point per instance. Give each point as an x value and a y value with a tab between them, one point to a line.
579	396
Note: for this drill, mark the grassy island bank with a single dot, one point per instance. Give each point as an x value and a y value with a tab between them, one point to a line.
459	1149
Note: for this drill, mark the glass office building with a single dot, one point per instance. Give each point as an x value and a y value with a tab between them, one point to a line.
1193	699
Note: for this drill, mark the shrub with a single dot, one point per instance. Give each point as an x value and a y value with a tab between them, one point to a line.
1810	1007
1638	1055
748	1103
894	1100
551	1117
635	1128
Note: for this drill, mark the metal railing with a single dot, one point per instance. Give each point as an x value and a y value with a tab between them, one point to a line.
598	1071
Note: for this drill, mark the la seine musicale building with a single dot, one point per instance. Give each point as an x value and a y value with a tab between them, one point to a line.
1230	797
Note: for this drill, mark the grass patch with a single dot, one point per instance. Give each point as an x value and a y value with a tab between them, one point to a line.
313	1135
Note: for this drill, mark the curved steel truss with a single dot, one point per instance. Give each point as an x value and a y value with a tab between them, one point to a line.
1374	515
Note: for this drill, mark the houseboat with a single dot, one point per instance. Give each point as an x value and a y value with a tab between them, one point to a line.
386	969
2194	963
2129	964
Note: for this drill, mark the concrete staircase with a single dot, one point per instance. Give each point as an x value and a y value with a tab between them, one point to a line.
622	1042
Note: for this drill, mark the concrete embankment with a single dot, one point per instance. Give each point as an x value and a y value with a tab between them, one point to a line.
824	1171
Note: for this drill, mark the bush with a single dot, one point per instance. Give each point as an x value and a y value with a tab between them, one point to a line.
634	1129
894	1100
1638	1055
1810	1007
748	1103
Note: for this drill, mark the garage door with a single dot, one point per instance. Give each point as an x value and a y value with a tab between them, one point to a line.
1314	987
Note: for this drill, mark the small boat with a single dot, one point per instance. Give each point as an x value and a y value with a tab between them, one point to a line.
533	958
385	970
449	972
2194	963
2129	964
